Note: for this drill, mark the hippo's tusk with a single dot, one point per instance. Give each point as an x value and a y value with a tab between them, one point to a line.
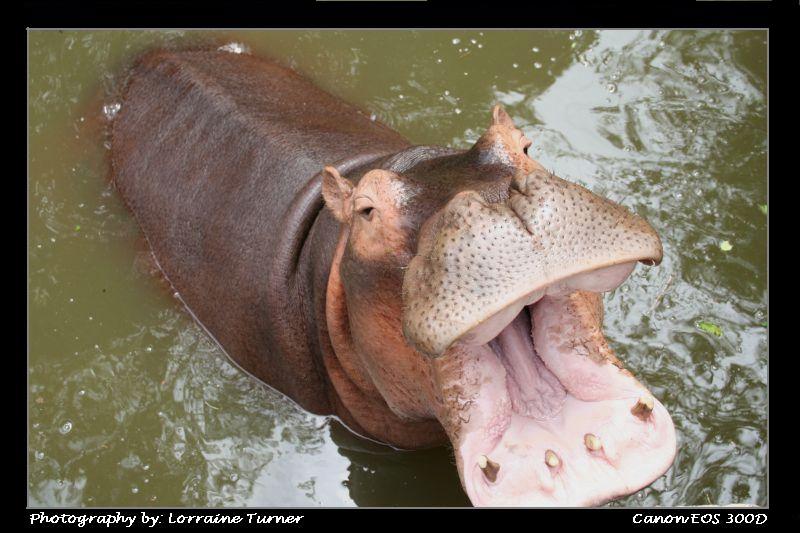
592	442
489	467
551	459
643	407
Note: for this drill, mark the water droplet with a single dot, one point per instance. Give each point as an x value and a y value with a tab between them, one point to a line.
535	49
135	489
66	427
552	59
233	48
457	111
148	349
515	65
234	477
537	65
39	456
81	392
456	40
473	41
111	110
611	88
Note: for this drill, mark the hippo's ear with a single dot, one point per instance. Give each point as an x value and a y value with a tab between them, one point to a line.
500	117
503	143
337	192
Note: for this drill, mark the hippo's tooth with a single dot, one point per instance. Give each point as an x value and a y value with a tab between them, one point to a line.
489	467
643	407
551	459
592	442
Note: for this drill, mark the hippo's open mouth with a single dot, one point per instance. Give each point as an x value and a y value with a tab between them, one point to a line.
550	417
505	296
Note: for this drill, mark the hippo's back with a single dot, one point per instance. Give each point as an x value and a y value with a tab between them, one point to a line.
208	150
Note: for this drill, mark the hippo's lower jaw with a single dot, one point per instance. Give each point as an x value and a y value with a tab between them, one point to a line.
546	415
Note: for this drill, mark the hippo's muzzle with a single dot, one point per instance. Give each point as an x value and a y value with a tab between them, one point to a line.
479	263
505	295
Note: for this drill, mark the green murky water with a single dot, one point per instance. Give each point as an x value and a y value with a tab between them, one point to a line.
131	404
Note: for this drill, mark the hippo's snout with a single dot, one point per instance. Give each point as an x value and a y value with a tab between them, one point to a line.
503	293
479	262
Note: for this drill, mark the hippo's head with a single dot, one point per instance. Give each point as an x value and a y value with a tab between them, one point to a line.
466	288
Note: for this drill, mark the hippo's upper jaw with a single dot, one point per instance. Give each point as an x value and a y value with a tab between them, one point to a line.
506	295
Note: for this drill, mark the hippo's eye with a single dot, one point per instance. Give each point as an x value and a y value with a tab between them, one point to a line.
366	212
364	206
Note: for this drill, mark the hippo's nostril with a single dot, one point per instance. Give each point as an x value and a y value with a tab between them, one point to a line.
649	262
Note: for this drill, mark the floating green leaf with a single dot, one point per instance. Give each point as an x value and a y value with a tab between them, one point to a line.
764	324
763	208
78	227
708	327
725	246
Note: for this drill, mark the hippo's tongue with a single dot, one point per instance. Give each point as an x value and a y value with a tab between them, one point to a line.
554	420
534	390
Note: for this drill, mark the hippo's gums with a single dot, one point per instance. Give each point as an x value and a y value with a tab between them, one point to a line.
419	293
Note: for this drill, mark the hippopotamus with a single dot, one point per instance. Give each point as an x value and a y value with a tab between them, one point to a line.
423	295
